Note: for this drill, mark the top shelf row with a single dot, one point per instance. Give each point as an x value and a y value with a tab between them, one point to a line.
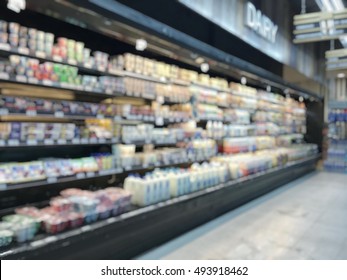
44	47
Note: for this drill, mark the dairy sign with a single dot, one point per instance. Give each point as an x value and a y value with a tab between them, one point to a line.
260	23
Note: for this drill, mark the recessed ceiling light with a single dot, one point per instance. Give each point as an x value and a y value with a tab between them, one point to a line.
243	80
141	44
341	75
204	67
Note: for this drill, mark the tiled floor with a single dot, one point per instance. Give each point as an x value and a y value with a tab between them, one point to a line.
306	219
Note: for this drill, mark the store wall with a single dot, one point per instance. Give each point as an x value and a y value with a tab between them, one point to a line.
233	16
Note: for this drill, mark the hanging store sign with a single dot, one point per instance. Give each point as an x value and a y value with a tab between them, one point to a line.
336	62
321	26
260	23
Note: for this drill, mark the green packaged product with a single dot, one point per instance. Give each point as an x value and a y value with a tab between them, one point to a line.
6	237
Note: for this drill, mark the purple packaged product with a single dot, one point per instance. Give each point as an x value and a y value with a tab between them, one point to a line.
16	128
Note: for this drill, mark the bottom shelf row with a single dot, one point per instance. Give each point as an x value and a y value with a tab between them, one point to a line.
75	207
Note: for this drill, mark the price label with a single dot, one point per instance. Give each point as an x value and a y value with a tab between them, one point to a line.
88	88
2	142
31	113
101	69
100	116
84	141
4	76
48	142
61	141
72	61
117	171
86	228
127	168
5	47
93	140
3	112
87	65
31	142
3	187
75	141
171	120
159	121
51	180
108	91
40	54
24	51
80	175
57	58
102	141
59	114
90	174
32	80
21	78
13	142
145	165
47	83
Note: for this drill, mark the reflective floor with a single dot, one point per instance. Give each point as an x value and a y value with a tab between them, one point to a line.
306	219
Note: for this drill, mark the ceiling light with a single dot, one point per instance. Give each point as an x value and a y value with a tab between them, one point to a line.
204	67
243	80
301	99
268	88
141	44
341	75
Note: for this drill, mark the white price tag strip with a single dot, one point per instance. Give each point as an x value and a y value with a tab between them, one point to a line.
31	113
31	142
13	142
3	187
80	175
72	61
51	180
57	58
48	142
47	83
32	80
59	114
40	54
2	142
4	76
90	174
3	112
5	47
21	78
61	141
24	51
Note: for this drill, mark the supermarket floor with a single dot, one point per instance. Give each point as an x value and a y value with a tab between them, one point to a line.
306	219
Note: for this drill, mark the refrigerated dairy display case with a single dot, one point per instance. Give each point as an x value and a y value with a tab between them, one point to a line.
106	156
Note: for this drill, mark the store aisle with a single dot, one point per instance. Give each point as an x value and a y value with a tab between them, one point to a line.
306	219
